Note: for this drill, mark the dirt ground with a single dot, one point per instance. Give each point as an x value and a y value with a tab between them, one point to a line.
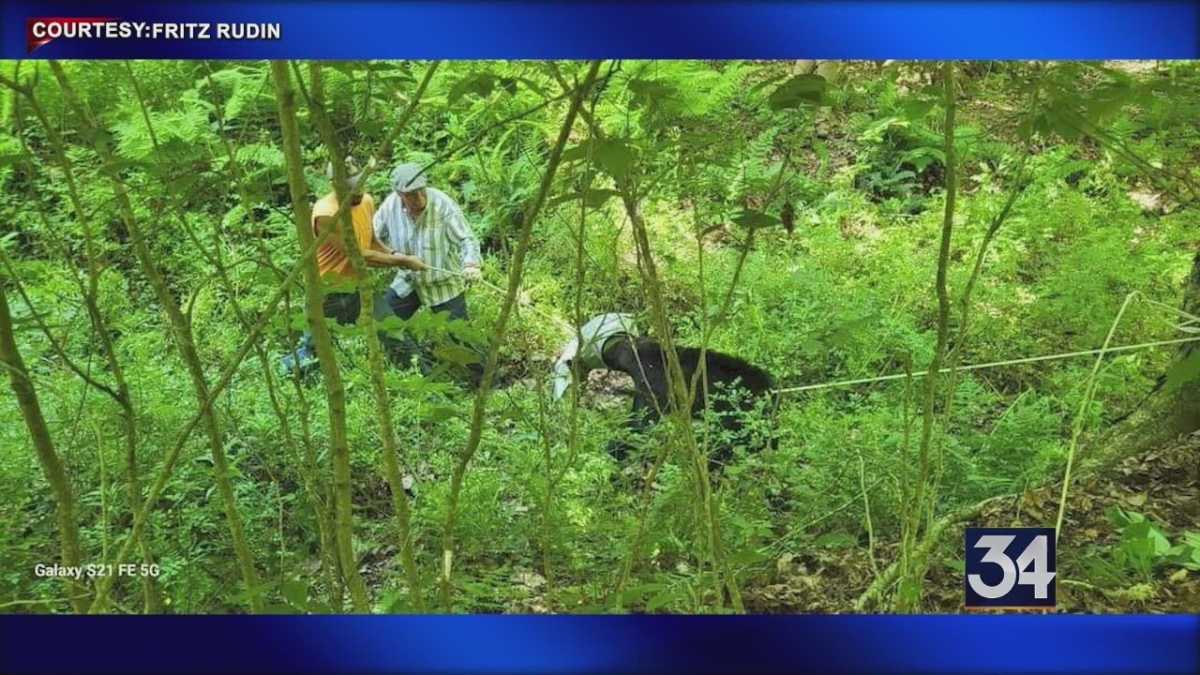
1162	484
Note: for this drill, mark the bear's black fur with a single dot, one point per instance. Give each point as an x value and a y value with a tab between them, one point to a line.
648	368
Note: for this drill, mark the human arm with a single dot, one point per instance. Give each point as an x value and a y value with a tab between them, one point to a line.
373	240
392	259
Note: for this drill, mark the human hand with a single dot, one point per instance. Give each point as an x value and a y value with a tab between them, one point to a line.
472	273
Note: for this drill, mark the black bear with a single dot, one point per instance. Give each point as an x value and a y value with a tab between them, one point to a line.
737	389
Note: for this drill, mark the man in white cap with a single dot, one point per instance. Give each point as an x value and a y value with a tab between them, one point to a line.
422	221
333	263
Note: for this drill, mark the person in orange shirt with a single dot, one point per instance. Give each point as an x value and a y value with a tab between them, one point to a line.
333	262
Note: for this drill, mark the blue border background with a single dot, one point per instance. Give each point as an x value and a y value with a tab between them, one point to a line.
561	644
705	29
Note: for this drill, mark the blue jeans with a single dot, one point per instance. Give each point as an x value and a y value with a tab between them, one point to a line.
341	307
402	350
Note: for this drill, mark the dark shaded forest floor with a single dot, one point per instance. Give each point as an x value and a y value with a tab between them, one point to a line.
1163	484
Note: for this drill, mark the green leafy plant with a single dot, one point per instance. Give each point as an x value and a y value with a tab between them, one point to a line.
1143	546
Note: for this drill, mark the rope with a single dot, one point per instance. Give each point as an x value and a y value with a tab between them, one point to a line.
886	378
991	364
520	301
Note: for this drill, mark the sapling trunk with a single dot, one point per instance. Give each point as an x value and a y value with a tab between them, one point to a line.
548	495
51	463
680	412
315	488
515	274
680	398
222	273
172	456
1185	403
918	509
553	478
182	336
366	321
954	354
335	391
120	393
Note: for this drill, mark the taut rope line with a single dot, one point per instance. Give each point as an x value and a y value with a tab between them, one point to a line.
921	373
990	364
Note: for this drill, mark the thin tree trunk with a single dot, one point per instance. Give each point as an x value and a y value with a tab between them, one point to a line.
164	473
52	466
322	500
182	335
366	320
680	412
913	570
515	274
684	396
335	390
1185	405
554	478
577	303
954	354
152	595
315	488
307	467
923	551
681	393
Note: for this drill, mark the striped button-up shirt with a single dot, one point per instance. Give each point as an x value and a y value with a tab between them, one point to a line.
440	237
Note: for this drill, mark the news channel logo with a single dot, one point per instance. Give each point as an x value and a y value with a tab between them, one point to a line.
1010	567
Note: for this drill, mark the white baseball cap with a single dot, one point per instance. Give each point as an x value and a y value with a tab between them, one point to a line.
408	177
